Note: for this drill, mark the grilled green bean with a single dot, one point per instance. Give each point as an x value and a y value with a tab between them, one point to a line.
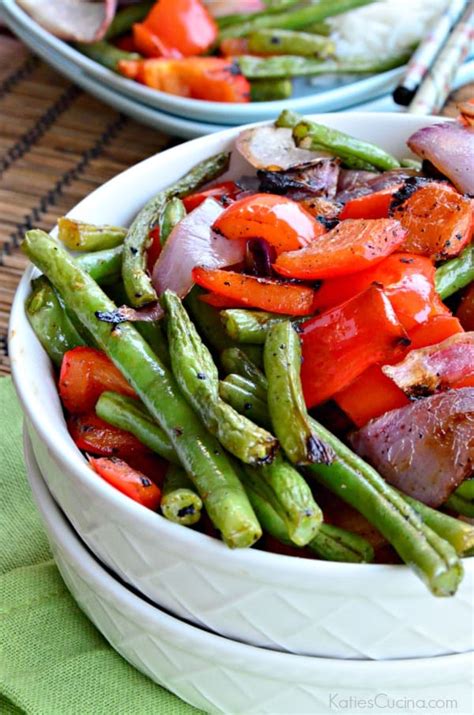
130	415
280	66
234	360
200	454
103	266
320	28
171	215
80	236
270	9
409	163
264	90
330	543
289	495
290	419
151	330
198	379
316	136
234	390
105	54
358	484
456	273
288	119
466	489
126	17
136	280
208	322
293	19
462	506
180	502
459	534
251	326
50	322
289	42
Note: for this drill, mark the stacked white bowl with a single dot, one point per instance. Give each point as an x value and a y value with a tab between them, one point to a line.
312	629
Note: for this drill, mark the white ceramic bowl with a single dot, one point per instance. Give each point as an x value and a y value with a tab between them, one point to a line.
286	603
221	675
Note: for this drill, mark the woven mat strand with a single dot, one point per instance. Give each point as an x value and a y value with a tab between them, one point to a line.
57	144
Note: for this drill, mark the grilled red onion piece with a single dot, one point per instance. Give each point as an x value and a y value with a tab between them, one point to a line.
426	449
353	184
126	314
78	20
450	148
436	367
316	178
273	148
193	243
259	256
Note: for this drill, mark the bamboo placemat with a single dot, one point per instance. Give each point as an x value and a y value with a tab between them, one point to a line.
57	144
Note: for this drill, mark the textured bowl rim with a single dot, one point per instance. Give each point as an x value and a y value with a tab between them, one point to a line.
61	445
88	567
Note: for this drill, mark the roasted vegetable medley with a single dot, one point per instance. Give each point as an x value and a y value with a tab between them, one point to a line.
284	359
206	51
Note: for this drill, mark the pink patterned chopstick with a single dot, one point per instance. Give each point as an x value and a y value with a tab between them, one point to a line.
437	84
425	54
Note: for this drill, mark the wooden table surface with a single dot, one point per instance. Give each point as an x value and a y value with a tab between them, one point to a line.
57	144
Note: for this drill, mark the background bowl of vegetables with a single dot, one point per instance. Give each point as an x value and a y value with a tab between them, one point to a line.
287	600
232	63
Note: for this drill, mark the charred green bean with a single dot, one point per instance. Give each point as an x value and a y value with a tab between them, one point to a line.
137	282
288	413
200	453
80	236
197	376
179	501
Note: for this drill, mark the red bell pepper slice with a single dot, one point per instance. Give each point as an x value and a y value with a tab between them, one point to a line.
125	43
263	293
93	435
373	393
211	78
149	44
283	223
370	395
224	193
127	480
353	245
435	330
221	301
129	68
437	220
340	344
465	311
185	25
154	249
407	279
85	374
374	205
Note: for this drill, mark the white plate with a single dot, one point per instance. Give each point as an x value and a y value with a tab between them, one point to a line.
168	123
287	603
331	94
224	676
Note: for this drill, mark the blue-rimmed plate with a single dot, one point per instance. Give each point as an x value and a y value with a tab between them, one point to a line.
328	95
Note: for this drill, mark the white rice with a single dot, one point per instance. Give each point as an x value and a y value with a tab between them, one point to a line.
386	27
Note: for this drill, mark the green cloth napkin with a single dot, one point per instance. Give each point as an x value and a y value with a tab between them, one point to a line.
53	661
